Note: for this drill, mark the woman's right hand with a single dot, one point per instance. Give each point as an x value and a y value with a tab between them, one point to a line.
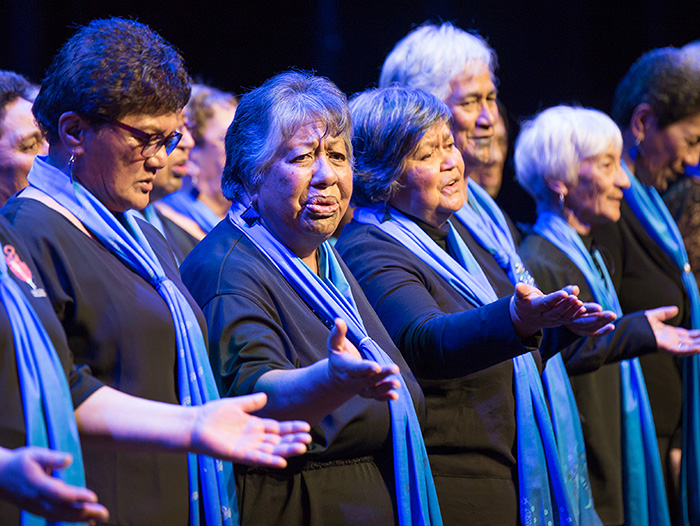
350	373
25	481
532	310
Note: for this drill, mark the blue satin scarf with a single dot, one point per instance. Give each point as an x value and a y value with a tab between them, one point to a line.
195	379
644	490
542	487
189	206
330	297
651	212
48	409
487	224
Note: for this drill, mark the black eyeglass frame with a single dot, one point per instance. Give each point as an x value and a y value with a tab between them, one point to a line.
152	142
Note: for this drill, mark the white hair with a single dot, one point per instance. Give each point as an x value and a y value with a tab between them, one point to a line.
431	56
552	146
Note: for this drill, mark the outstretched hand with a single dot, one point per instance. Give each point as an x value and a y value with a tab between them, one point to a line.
531	310
225	429
350	373
672	340
595	322
26	482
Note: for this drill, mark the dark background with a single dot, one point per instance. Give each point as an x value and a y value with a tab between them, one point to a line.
549	51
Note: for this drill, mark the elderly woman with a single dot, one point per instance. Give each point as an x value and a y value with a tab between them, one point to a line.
568	159
443	314
200	205
270	288
110	112
657	107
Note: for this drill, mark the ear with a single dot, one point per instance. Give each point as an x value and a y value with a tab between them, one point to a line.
71	132
642	120
557	186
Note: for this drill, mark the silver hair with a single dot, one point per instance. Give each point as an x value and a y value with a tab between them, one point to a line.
431	56
269	116
552	146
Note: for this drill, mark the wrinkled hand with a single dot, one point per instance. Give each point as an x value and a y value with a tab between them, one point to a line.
672	340
595	322
349	372
25	481
225	429
531	310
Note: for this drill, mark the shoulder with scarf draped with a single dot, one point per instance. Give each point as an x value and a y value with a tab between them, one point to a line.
597	393
97	298
257	323
12	426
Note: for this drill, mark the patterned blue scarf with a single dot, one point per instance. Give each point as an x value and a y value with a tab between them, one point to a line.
189	206
48	409
644	490
331	298
542	487
195	379
651	212
487	224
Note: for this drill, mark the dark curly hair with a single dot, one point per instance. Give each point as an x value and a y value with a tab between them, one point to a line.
667	79
12	87
112	68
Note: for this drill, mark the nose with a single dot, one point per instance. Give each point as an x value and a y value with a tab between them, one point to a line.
621	180
159	160
488	114
324	173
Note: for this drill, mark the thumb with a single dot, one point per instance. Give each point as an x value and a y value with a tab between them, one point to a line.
49	459
336	340
663	313
523	290
251	403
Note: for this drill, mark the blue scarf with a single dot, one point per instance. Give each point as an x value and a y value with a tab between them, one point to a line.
187	204
539	471
195	379
644	490
651	212
152	217
330	297
487	224
48	409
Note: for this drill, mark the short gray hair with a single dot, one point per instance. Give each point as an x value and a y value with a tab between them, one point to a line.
270	115
431	56
388	123
552	146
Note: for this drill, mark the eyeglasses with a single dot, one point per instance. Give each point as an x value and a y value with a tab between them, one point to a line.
152	142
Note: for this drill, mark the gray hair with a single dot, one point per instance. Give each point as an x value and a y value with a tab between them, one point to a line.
431	56
552	146
388	123
268	116
668	79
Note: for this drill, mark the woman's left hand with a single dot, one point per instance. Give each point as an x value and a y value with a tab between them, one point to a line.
225	429
595	322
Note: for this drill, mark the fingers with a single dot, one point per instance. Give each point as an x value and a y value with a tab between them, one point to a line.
662	313
294	427
593	324
592	308
50	459
250	403
572	289
336	340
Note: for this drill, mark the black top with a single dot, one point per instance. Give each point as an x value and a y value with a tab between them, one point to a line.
120	327
12	427
470	433
180	241
258	323
597	393
646	278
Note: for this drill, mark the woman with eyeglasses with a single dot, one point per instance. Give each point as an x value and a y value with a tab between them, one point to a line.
109	107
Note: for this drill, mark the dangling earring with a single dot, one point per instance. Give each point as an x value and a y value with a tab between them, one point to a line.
636	149
70	166
561	202
250	215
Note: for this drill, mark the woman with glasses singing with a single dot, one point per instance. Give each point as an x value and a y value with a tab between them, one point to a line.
109	106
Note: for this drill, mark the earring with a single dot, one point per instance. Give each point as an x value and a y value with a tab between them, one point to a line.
70	165
636	149
250	215
561	202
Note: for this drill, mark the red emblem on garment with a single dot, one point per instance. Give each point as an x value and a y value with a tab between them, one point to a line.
21	270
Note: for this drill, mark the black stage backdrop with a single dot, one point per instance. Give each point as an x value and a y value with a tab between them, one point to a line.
549	51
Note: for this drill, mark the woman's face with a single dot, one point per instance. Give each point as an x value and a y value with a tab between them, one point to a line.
666	152
307	189
432	184
596	198
111	165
